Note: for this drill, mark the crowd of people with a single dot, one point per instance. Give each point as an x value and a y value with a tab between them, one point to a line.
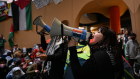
70	59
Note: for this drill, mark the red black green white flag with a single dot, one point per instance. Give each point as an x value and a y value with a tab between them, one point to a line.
22	15
11	36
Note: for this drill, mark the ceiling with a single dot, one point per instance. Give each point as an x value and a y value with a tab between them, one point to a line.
101	7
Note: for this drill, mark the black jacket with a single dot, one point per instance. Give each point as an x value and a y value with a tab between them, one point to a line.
98	66
58	60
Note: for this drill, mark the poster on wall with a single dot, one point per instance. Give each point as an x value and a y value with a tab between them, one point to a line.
3	11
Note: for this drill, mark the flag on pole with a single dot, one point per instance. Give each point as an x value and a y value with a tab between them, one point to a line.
22	16
11	36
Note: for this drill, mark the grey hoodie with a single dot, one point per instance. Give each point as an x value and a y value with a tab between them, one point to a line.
131	48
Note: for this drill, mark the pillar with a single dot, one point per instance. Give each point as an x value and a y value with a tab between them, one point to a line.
115	18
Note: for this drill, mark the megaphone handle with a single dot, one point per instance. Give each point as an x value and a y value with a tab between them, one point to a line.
37	29
62	31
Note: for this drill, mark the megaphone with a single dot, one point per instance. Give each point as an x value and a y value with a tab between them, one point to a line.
56	30
39	22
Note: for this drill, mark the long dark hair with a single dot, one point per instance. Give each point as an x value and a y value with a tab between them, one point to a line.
109	37
110	41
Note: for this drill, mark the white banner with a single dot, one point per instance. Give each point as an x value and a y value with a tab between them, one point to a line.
41	3
57	1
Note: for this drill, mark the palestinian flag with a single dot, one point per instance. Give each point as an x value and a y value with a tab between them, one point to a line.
21	12
11	36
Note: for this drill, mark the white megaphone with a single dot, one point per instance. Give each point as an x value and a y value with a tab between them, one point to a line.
40	22
56	30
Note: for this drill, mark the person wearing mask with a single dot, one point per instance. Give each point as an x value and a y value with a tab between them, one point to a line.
105	61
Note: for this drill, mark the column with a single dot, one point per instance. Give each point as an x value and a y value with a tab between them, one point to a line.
115	18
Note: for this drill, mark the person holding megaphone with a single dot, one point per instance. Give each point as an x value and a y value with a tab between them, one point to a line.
55	57
105	60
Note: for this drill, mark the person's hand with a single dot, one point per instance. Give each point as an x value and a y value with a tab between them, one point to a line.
42	56
36	70
72	43
44	71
